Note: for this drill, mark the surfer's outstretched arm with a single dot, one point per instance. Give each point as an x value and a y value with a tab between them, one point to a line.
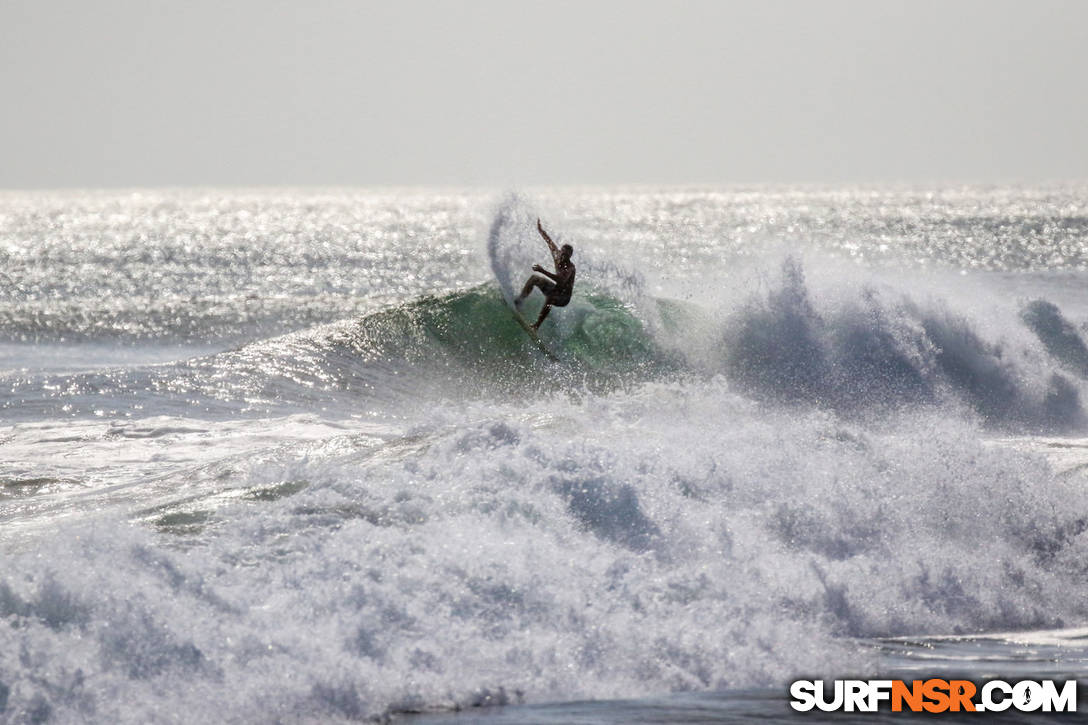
551	244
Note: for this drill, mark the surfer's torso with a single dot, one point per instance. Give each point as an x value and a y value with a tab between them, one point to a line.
564	284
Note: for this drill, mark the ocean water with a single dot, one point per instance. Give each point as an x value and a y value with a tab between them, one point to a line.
284	455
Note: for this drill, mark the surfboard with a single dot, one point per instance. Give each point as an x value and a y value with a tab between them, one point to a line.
533	336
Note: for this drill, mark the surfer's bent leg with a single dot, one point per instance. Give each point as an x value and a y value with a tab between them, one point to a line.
545	285
543	313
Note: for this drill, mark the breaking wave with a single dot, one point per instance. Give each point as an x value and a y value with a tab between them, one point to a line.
864	354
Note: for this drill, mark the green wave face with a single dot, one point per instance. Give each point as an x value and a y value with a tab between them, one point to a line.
596	339
605	335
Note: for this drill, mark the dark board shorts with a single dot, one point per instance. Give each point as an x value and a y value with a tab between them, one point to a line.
559	301
555	299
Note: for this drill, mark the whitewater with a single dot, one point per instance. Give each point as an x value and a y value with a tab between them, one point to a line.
285	455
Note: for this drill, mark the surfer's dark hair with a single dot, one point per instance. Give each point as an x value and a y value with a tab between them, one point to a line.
567	249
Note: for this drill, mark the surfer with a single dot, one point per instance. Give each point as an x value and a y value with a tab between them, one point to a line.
557	287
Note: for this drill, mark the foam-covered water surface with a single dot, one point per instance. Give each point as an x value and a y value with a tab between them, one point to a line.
286	456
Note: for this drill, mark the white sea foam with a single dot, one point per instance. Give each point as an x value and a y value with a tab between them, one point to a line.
678	537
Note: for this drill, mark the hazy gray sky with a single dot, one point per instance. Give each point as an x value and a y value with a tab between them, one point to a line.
497	93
